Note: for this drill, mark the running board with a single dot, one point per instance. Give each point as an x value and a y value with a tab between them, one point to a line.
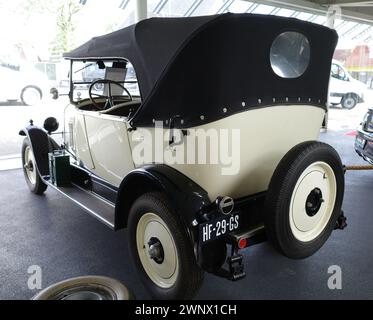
96	206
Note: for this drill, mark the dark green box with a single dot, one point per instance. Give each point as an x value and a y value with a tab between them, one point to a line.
59	168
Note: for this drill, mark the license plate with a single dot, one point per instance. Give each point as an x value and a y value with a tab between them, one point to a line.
360	142
219	227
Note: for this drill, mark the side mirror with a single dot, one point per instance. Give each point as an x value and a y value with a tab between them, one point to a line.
51	124
54	93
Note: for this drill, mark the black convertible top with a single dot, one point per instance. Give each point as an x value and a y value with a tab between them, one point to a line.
201	69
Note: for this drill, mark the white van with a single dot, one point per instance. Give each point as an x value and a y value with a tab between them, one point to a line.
343	88
26	84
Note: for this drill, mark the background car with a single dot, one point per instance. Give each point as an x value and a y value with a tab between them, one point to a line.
364	138
344	89
22	83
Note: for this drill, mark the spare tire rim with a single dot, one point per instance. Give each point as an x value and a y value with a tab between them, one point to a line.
29	165
157	250
312	202
31	96
85	292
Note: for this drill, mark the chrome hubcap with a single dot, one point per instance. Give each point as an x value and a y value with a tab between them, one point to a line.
314	201
156	250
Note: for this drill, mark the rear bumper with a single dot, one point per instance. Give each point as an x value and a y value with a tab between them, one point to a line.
212	255
366	150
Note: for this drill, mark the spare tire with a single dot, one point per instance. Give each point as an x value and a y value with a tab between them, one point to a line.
304	199
85	288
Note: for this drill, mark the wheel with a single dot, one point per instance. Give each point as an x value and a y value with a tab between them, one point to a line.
33	180
31	95
349	101
304	199
161	250
85	288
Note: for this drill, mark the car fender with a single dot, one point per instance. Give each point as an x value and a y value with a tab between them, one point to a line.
187	197
41	145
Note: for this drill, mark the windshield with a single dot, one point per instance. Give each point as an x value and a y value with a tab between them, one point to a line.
85	73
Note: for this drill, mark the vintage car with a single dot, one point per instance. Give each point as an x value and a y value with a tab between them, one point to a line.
364	137
258	82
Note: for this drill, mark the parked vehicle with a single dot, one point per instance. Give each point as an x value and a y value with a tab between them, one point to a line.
197	76
344	89
25	84
364	137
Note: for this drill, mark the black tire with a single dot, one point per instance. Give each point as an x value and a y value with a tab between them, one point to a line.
36	90
37	185
190	276
278	211
85	288
349	101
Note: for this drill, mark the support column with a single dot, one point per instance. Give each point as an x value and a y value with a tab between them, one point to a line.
331	15
141	10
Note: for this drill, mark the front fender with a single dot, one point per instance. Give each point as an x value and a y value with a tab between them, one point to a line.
186	196
41	145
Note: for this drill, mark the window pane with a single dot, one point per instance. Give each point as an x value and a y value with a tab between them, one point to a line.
290	54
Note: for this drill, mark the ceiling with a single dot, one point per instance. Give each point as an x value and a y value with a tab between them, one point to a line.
353	20
360	11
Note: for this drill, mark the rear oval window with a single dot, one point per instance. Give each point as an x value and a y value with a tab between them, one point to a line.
290	54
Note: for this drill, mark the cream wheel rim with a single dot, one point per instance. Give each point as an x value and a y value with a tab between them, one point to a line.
312	202
157	250
30	165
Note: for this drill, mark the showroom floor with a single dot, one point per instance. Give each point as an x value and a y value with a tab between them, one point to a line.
53	233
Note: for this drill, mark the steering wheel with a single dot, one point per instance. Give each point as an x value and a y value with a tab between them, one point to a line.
108	98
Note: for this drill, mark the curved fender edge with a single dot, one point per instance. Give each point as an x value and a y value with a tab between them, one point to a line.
187	197
41	145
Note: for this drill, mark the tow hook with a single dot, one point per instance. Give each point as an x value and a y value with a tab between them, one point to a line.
236	267
341	222
235	264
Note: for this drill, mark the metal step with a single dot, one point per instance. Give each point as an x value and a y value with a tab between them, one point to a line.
96	206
